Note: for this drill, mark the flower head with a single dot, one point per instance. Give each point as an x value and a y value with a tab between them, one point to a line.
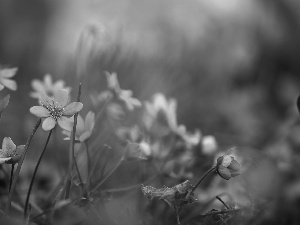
123	95
227	166
10	153
47	86
5	81
56	110
84	128
209	145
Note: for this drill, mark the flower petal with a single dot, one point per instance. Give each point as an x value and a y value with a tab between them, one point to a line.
61	96
72	108
45	99
8	72
89	121
3	160
48	124
39	111
80	125
48	82
224	172
86	135
67	133
10	84
8	145
65	123
37	85
20	150
3	154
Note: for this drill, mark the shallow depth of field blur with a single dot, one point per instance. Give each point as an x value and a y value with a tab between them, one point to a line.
233	68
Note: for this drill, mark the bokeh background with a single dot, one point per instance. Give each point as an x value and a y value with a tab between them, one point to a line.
232	65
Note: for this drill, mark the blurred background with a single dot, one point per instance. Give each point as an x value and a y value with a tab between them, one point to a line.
232	65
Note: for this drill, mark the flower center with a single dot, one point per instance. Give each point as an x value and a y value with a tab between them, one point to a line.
55	111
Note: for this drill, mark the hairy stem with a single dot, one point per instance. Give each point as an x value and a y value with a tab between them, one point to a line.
227	207
72	154
202	178
11	176
109	174
157	172
88	161
15	178
34	173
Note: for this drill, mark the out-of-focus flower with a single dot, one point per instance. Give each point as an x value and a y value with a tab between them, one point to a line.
115	111
123	95
160	119
134	152
56	110
10	153
129	133
95	43
103	97
84	128
160	113
227	166
5	81
190	139
47	86
209	145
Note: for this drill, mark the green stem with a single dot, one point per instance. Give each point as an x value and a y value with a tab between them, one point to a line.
202	178
109	174
157	172
34	173
15	178
72	154
88	161
11	176
227	207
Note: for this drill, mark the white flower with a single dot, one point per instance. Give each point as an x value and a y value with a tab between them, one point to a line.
161	111
209	145
124	95
84	128
47	86
56	110
10	153
5	81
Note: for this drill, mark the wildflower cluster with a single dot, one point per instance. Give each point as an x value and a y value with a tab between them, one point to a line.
157	142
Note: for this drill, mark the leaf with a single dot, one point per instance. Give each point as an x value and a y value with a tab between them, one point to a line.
3	104
176	197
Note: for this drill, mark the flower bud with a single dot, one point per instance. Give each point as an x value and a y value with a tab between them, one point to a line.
224	172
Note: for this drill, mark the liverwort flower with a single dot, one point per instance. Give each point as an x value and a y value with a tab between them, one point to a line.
10	153
84	128
56	110
123	95
47	86
209	145
5	81
227	166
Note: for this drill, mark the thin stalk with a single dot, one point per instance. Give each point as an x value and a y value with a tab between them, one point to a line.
34	173
11	176
227	207
15	178
202	178
157	172
88	161
72	154
109	174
